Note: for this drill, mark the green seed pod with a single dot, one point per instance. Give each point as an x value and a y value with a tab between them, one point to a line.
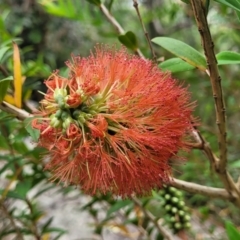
172	189
187	225
168	207
178	225
181	204
178	193
174	199
174	210
172	219
187	218
181	213
167	196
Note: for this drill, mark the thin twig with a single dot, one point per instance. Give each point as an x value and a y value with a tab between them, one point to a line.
200	189
163	230
208	46
17	112
12	221
116	24
34	227
225	177
135	4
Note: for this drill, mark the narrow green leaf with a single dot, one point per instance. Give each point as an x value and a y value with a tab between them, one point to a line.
118	205
95	2
8	165
34	133
47	224
175	65
129	40
235	4
228	57
4	84
55	229
3	50
183	51
232	232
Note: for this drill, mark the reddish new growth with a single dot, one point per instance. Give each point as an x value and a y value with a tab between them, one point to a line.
113	125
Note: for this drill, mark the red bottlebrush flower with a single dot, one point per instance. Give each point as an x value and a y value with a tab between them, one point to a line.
114	124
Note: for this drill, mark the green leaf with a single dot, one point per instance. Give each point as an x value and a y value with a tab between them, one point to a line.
3	50
186	1
95	2
235	4
228	57
34	133
118	205
129	40
183	51
232	232
63	8
235	164
156	195
22	188
4	84
175	65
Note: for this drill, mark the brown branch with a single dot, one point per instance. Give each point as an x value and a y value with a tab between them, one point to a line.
135	4
208	46
116	24
200	189
163	230
230	186
17	112
12	221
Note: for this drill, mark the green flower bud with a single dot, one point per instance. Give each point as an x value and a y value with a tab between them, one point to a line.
67	122
65	115
76	114
54	122
59	92
58	114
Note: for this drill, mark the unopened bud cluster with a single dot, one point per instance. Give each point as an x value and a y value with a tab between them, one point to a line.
178	216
